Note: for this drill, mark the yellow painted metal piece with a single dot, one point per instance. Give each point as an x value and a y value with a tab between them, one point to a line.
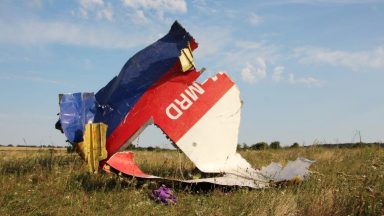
186	59
93	147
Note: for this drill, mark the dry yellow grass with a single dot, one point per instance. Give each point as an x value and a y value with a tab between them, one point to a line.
344	182
12	148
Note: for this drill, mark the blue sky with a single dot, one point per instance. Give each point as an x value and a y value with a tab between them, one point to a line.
308	70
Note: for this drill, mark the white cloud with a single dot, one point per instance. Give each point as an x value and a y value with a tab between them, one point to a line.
249	44
138	17
106	12
144	11
309	81
210	44
258	55
178	6
254	19
251	73
202	6
261	49
94	8
91	3
247	74
323	2
358	61
35	32
250	58
82	13
277	73
200	3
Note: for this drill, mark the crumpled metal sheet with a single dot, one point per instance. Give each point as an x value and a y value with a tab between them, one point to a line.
273	173
123	162
145	69
76	110
294	169
158	86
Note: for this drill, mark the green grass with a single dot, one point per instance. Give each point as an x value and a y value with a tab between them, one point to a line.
344	182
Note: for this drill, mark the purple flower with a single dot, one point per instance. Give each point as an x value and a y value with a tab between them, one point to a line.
164	195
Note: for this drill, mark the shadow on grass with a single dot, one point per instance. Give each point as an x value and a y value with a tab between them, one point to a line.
102	182
89	182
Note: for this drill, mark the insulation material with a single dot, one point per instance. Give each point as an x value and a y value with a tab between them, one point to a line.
294	169
186	59
93	147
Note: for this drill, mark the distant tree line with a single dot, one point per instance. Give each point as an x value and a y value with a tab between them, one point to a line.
261	146
148	148
350	145
276	145
256	146
34	146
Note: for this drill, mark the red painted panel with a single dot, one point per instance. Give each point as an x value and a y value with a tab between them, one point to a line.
155	101
123	162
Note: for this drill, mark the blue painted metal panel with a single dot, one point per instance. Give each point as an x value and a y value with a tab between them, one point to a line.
76	110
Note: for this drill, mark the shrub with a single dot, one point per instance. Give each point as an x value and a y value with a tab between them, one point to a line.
259	146
275	145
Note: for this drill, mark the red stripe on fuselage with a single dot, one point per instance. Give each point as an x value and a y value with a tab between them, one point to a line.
154	102
213	92
146	107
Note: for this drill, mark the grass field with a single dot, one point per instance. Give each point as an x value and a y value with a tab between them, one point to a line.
52	182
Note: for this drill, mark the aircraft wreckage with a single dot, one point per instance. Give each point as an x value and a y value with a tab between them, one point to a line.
158	86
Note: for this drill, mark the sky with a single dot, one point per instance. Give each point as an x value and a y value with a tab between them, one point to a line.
309	71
